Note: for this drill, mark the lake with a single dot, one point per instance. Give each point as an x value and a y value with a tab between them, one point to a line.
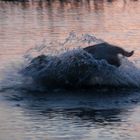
30	28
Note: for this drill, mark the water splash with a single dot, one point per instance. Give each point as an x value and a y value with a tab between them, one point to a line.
69	65
56	47
66	64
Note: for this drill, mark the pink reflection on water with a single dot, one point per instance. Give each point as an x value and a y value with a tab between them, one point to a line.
22	25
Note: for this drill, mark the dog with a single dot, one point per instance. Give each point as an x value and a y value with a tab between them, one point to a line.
108	52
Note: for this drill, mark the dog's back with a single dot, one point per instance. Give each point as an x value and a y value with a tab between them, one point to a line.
108	52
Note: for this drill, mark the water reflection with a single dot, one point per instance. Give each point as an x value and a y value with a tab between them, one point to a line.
73	114
94	106
61	114
22	24
98	4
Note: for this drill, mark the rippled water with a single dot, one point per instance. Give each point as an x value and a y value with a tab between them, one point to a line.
88	114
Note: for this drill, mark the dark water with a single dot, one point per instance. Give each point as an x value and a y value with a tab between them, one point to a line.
53	114
70	115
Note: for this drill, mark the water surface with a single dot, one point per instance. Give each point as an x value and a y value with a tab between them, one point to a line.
66	114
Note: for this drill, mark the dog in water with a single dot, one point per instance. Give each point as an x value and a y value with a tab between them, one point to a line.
108	52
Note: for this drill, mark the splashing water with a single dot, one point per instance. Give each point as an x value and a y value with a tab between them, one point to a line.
70	65
66	64
56	47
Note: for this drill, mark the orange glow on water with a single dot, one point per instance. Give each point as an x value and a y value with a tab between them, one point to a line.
22	25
